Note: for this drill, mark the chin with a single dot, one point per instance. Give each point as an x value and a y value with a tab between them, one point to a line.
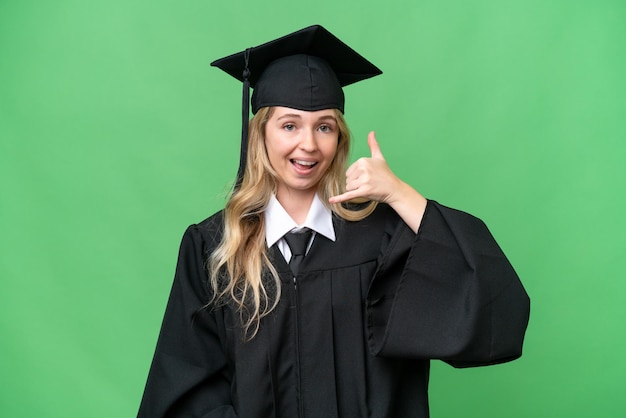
302	188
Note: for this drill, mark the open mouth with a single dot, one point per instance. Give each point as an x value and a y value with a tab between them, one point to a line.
303	165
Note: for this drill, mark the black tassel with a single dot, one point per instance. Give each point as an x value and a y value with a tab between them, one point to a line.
245	118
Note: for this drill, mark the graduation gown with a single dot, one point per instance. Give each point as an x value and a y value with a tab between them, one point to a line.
353	336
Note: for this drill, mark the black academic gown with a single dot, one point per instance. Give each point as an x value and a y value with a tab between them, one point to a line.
353	337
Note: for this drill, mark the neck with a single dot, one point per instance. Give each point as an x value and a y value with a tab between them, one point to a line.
296	203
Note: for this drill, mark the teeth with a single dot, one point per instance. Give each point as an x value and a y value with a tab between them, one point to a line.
307	163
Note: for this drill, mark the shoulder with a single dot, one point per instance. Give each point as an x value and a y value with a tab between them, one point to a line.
206	234
382	222
453	217
211	225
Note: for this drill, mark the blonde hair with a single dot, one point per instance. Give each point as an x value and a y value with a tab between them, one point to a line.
240	270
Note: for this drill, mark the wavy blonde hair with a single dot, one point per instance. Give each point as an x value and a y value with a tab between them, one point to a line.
240	270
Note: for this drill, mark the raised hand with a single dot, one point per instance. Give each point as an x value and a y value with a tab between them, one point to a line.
371	178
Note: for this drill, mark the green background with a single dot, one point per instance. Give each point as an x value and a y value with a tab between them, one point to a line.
115	134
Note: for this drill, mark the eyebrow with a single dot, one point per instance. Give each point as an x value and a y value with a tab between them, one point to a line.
289	115
294	115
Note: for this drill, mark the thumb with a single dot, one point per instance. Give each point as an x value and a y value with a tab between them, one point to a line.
374	148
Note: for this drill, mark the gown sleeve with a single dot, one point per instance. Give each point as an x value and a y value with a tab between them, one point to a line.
188	376
447	293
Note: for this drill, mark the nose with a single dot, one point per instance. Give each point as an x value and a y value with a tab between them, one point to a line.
308	142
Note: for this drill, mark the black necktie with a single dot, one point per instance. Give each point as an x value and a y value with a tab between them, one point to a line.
297	241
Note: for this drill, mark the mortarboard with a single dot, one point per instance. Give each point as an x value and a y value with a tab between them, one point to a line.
304	70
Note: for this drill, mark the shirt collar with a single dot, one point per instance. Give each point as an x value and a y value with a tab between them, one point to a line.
278	222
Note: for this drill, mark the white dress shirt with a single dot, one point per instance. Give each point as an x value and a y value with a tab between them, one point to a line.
278	223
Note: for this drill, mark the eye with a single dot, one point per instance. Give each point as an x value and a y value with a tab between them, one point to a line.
325	129
289	127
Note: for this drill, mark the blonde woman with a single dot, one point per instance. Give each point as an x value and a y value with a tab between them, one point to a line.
323	290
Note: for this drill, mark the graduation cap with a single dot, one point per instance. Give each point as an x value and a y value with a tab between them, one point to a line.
304	70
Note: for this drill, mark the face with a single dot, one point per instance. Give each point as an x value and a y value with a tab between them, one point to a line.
300	146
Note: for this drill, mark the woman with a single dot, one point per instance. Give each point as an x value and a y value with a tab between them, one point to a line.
384	282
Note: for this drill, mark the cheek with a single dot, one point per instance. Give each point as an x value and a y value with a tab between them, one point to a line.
271	149
330	149
277	145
